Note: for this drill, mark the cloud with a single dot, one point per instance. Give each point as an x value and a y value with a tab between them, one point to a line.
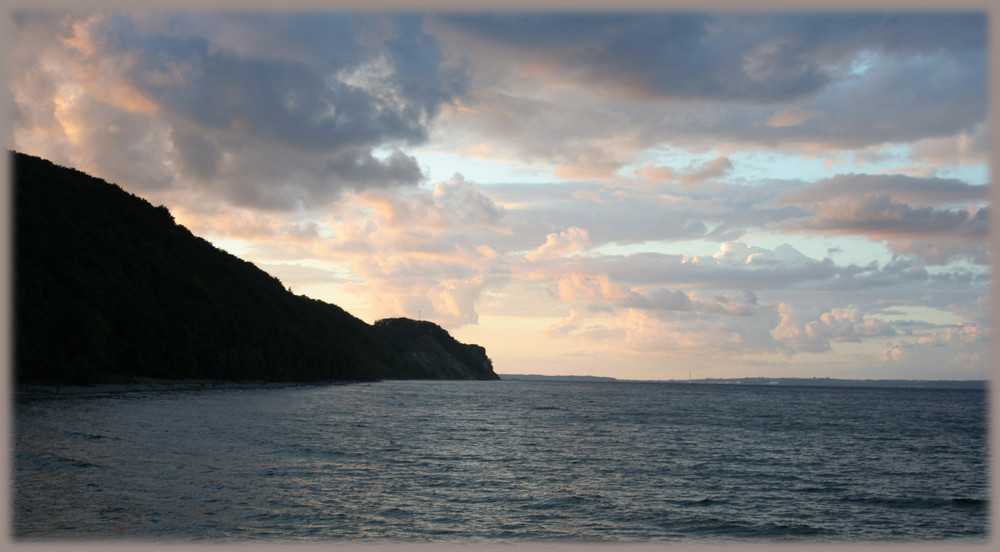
908	189
687	54
941	251
970	146
935	219
585	92
266	110
660	300
571	240
677	333
422	251
742	300
878	216
948	90
791	117
362	95
637	210
205	218
839	325
466	203
586	162
954	352
716	168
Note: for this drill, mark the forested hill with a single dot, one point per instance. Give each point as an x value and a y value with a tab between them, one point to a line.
108	287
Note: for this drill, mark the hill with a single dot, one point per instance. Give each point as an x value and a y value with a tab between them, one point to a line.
108	288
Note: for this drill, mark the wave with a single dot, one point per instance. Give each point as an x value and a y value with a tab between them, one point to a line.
54	461
91	437
919	502
716	528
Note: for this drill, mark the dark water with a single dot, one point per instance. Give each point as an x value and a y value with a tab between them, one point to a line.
507	461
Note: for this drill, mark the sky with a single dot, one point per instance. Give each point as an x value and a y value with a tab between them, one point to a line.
641	195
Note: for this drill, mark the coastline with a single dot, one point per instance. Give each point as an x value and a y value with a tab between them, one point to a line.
152	385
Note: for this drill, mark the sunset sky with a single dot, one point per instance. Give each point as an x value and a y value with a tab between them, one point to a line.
642	195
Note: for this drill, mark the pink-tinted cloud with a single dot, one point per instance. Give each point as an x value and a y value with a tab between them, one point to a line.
427	252
955	352
572	240
800	333
716	168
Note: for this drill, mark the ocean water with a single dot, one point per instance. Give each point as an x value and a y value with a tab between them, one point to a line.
505	462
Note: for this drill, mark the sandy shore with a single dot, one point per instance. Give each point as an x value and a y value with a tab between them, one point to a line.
153	385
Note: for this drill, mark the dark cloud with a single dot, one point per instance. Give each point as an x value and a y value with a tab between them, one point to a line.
420	71
912	190
879	216
912	32
199	156
289	104
879	105
743	57
328	41
931	218
280	179
360	169
694	80
941	251
661	55
949	91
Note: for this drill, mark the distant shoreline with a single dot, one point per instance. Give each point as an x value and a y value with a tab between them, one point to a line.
812	382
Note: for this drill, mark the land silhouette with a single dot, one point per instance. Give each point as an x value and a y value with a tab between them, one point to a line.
109	289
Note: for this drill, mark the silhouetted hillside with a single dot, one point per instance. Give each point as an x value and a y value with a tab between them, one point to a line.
107	287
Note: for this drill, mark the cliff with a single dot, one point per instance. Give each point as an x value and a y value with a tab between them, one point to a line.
431	353
108	288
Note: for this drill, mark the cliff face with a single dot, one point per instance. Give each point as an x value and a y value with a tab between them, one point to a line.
108	287
431	353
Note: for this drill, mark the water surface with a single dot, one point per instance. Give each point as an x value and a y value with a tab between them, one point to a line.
505	461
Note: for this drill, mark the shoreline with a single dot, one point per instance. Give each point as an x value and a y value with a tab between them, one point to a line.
152	385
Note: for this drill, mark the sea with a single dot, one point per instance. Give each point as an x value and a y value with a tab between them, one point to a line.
504	462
